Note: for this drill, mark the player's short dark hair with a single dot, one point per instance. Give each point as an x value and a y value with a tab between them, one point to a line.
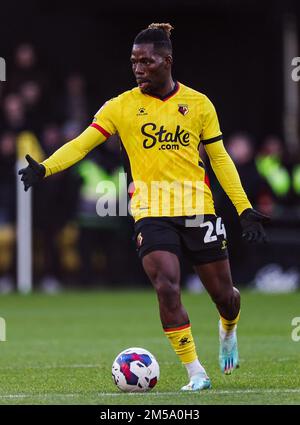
158	34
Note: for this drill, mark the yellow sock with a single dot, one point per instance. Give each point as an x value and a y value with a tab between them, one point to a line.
228	325
182	341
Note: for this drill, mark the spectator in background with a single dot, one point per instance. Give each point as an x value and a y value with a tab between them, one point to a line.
28	79
26	67
14	114
280	172
32	95
74	104
7	210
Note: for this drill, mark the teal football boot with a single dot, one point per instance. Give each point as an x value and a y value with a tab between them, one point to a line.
198	382
228	352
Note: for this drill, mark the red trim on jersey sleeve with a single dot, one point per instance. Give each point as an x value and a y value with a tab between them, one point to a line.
131	189
206	180
101	129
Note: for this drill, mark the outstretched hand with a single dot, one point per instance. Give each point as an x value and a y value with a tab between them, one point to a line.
32	174
252	226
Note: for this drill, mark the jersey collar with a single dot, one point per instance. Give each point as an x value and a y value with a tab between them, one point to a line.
168	95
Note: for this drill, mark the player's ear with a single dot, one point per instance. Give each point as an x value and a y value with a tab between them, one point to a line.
169	60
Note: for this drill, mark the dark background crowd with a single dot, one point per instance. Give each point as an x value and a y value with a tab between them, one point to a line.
63	62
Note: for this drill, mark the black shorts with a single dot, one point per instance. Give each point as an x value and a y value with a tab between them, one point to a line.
202	241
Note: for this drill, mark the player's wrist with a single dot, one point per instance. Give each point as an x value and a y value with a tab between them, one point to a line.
245	213
47	171
42	171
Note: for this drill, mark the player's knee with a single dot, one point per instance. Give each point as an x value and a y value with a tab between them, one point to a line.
167	289
223	298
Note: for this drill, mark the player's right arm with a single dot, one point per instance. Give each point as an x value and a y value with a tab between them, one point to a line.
66	156
75	150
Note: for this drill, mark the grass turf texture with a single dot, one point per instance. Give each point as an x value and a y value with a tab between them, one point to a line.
60	349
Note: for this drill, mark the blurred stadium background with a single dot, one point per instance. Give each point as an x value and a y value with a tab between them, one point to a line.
64	60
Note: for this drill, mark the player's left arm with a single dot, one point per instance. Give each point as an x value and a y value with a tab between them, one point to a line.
221	162
226	173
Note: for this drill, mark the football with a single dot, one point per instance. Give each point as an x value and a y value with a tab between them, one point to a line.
135	370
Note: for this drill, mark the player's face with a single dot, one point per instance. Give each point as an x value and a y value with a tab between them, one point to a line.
150	67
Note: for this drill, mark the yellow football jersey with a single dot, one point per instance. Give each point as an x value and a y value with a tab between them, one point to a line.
160	143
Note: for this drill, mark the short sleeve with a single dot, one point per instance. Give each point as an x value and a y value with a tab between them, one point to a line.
106	119
210	130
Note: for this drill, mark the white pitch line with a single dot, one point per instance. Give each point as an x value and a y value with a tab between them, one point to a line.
74	366
162	394
212	392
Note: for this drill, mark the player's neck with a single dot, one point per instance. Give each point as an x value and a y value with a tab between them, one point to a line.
166	89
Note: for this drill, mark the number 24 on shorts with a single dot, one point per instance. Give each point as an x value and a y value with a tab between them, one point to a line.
219	230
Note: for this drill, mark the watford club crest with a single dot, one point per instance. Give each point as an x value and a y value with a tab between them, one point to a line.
183	109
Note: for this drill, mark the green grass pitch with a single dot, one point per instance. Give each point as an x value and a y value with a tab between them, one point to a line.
60	349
